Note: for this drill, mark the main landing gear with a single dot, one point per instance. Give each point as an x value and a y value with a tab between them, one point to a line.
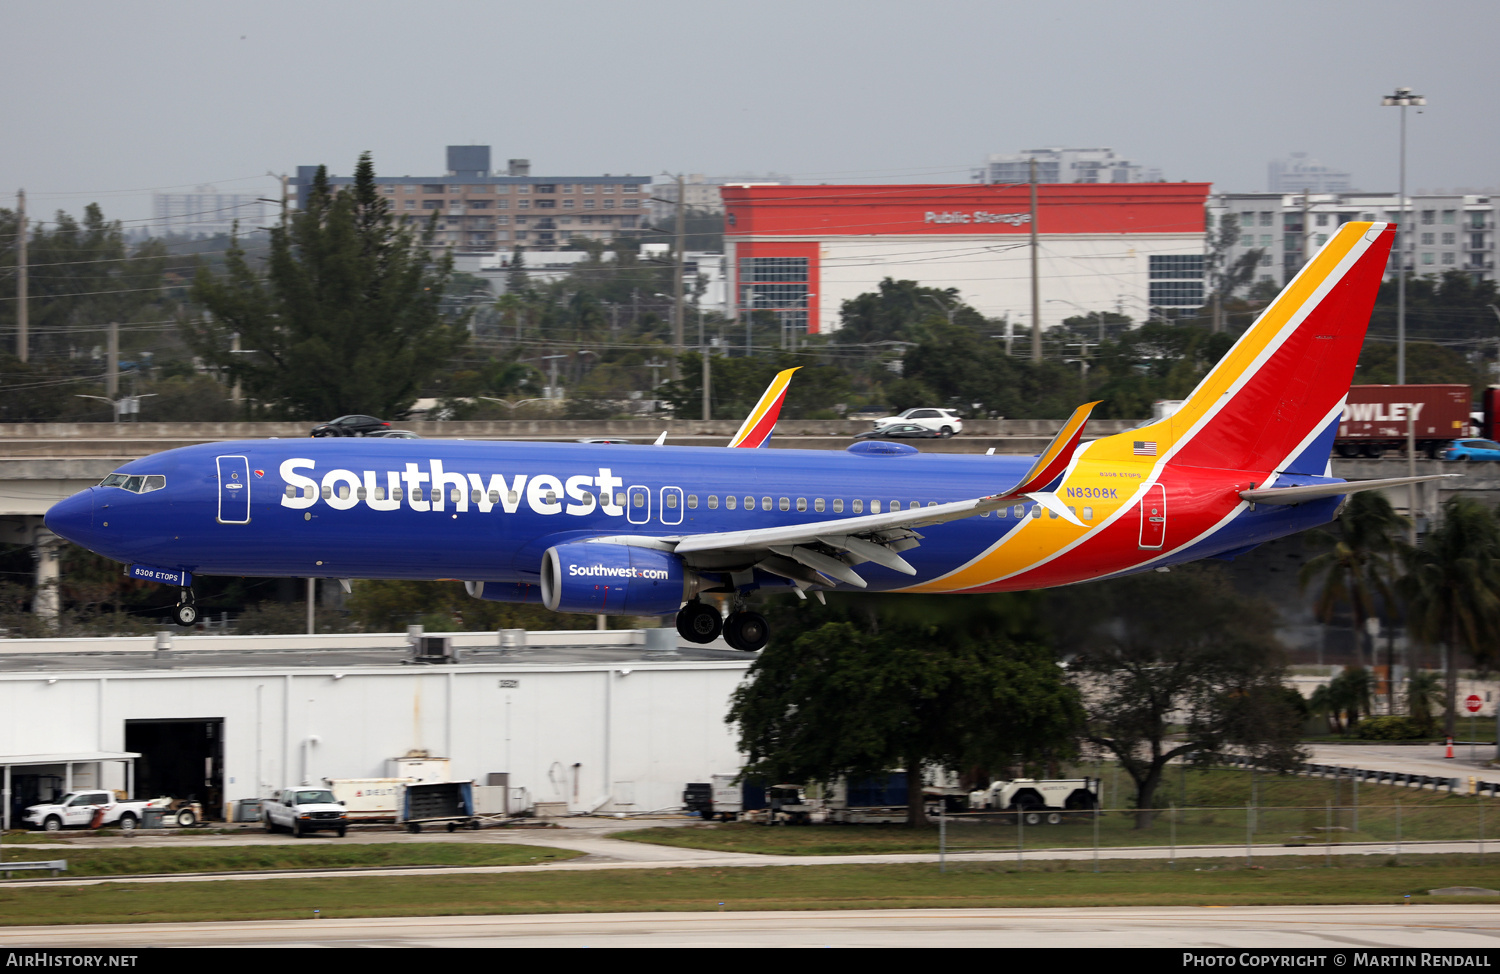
743	630
186	612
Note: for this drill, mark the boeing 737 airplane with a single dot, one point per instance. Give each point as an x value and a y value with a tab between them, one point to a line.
658	530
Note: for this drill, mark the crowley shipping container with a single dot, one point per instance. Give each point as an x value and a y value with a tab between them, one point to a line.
1375	419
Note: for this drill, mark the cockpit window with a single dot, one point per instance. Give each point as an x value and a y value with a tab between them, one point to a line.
135	483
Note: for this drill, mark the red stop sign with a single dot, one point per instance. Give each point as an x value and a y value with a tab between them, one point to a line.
1472	703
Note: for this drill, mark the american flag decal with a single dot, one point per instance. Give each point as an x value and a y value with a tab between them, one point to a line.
1145	448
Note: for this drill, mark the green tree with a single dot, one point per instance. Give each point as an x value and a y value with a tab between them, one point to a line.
903	311
347	318
848	700
1343	699
1359	569
1424	696
1155	649
1425	362
1452	590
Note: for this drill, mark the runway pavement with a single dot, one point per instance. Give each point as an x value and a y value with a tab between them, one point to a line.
1258	929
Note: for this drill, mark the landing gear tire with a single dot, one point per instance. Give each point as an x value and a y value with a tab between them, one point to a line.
747	631
699	623
186	612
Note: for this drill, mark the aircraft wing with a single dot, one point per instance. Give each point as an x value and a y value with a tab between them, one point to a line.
833	547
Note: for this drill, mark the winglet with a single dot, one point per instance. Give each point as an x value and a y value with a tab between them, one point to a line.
756	430
1059	453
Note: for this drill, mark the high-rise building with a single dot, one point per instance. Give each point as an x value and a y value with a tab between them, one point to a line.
1059	165
1300	174
476	210
206	212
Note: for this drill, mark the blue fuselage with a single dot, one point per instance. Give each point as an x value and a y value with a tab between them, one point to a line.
369	508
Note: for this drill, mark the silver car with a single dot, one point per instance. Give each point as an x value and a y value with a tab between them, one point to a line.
944	422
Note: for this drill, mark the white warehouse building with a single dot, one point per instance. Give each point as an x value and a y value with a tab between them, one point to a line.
579	720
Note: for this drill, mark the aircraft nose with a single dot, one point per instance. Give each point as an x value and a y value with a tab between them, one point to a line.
73	518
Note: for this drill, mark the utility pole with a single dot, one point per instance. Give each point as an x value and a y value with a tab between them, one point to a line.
1036	299
284	202
1083	364
655	365
552	387
707	372
677	273
22	319
112	369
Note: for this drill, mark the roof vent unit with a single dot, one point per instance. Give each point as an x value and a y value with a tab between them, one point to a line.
432	649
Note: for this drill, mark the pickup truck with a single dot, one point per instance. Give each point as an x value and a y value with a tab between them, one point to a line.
78	809
303	810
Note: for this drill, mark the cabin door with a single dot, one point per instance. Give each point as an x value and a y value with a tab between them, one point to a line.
670	510
234	490
638	509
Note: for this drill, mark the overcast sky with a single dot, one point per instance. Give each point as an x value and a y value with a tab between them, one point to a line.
106	101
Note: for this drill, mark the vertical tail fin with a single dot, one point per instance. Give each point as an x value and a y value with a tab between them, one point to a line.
1273	401
756	430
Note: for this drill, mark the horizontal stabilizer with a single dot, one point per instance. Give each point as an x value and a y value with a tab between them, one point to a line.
1313	492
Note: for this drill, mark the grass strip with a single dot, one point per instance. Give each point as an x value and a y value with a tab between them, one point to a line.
1287	881
201	859
1210	810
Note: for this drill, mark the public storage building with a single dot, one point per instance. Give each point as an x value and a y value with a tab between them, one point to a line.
577	720
801	251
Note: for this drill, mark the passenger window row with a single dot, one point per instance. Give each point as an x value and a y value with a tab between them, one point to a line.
638	500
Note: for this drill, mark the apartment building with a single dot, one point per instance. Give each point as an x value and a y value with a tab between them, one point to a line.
207	212
1060	165
1439	233
474	209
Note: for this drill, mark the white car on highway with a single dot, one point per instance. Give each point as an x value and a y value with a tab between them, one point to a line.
944	422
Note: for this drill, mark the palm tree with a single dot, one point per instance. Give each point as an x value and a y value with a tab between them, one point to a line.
1452	589
1423	695
1359	567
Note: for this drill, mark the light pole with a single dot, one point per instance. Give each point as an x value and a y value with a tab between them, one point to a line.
1403	98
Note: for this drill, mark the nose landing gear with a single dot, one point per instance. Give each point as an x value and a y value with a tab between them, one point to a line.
186	612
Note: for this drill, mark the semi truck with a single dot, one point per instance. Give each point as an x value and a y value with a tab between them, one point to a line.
1376	417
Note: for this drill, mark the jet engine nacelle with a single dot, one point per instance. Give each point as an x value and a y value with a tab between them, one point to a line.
614	579
505	591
